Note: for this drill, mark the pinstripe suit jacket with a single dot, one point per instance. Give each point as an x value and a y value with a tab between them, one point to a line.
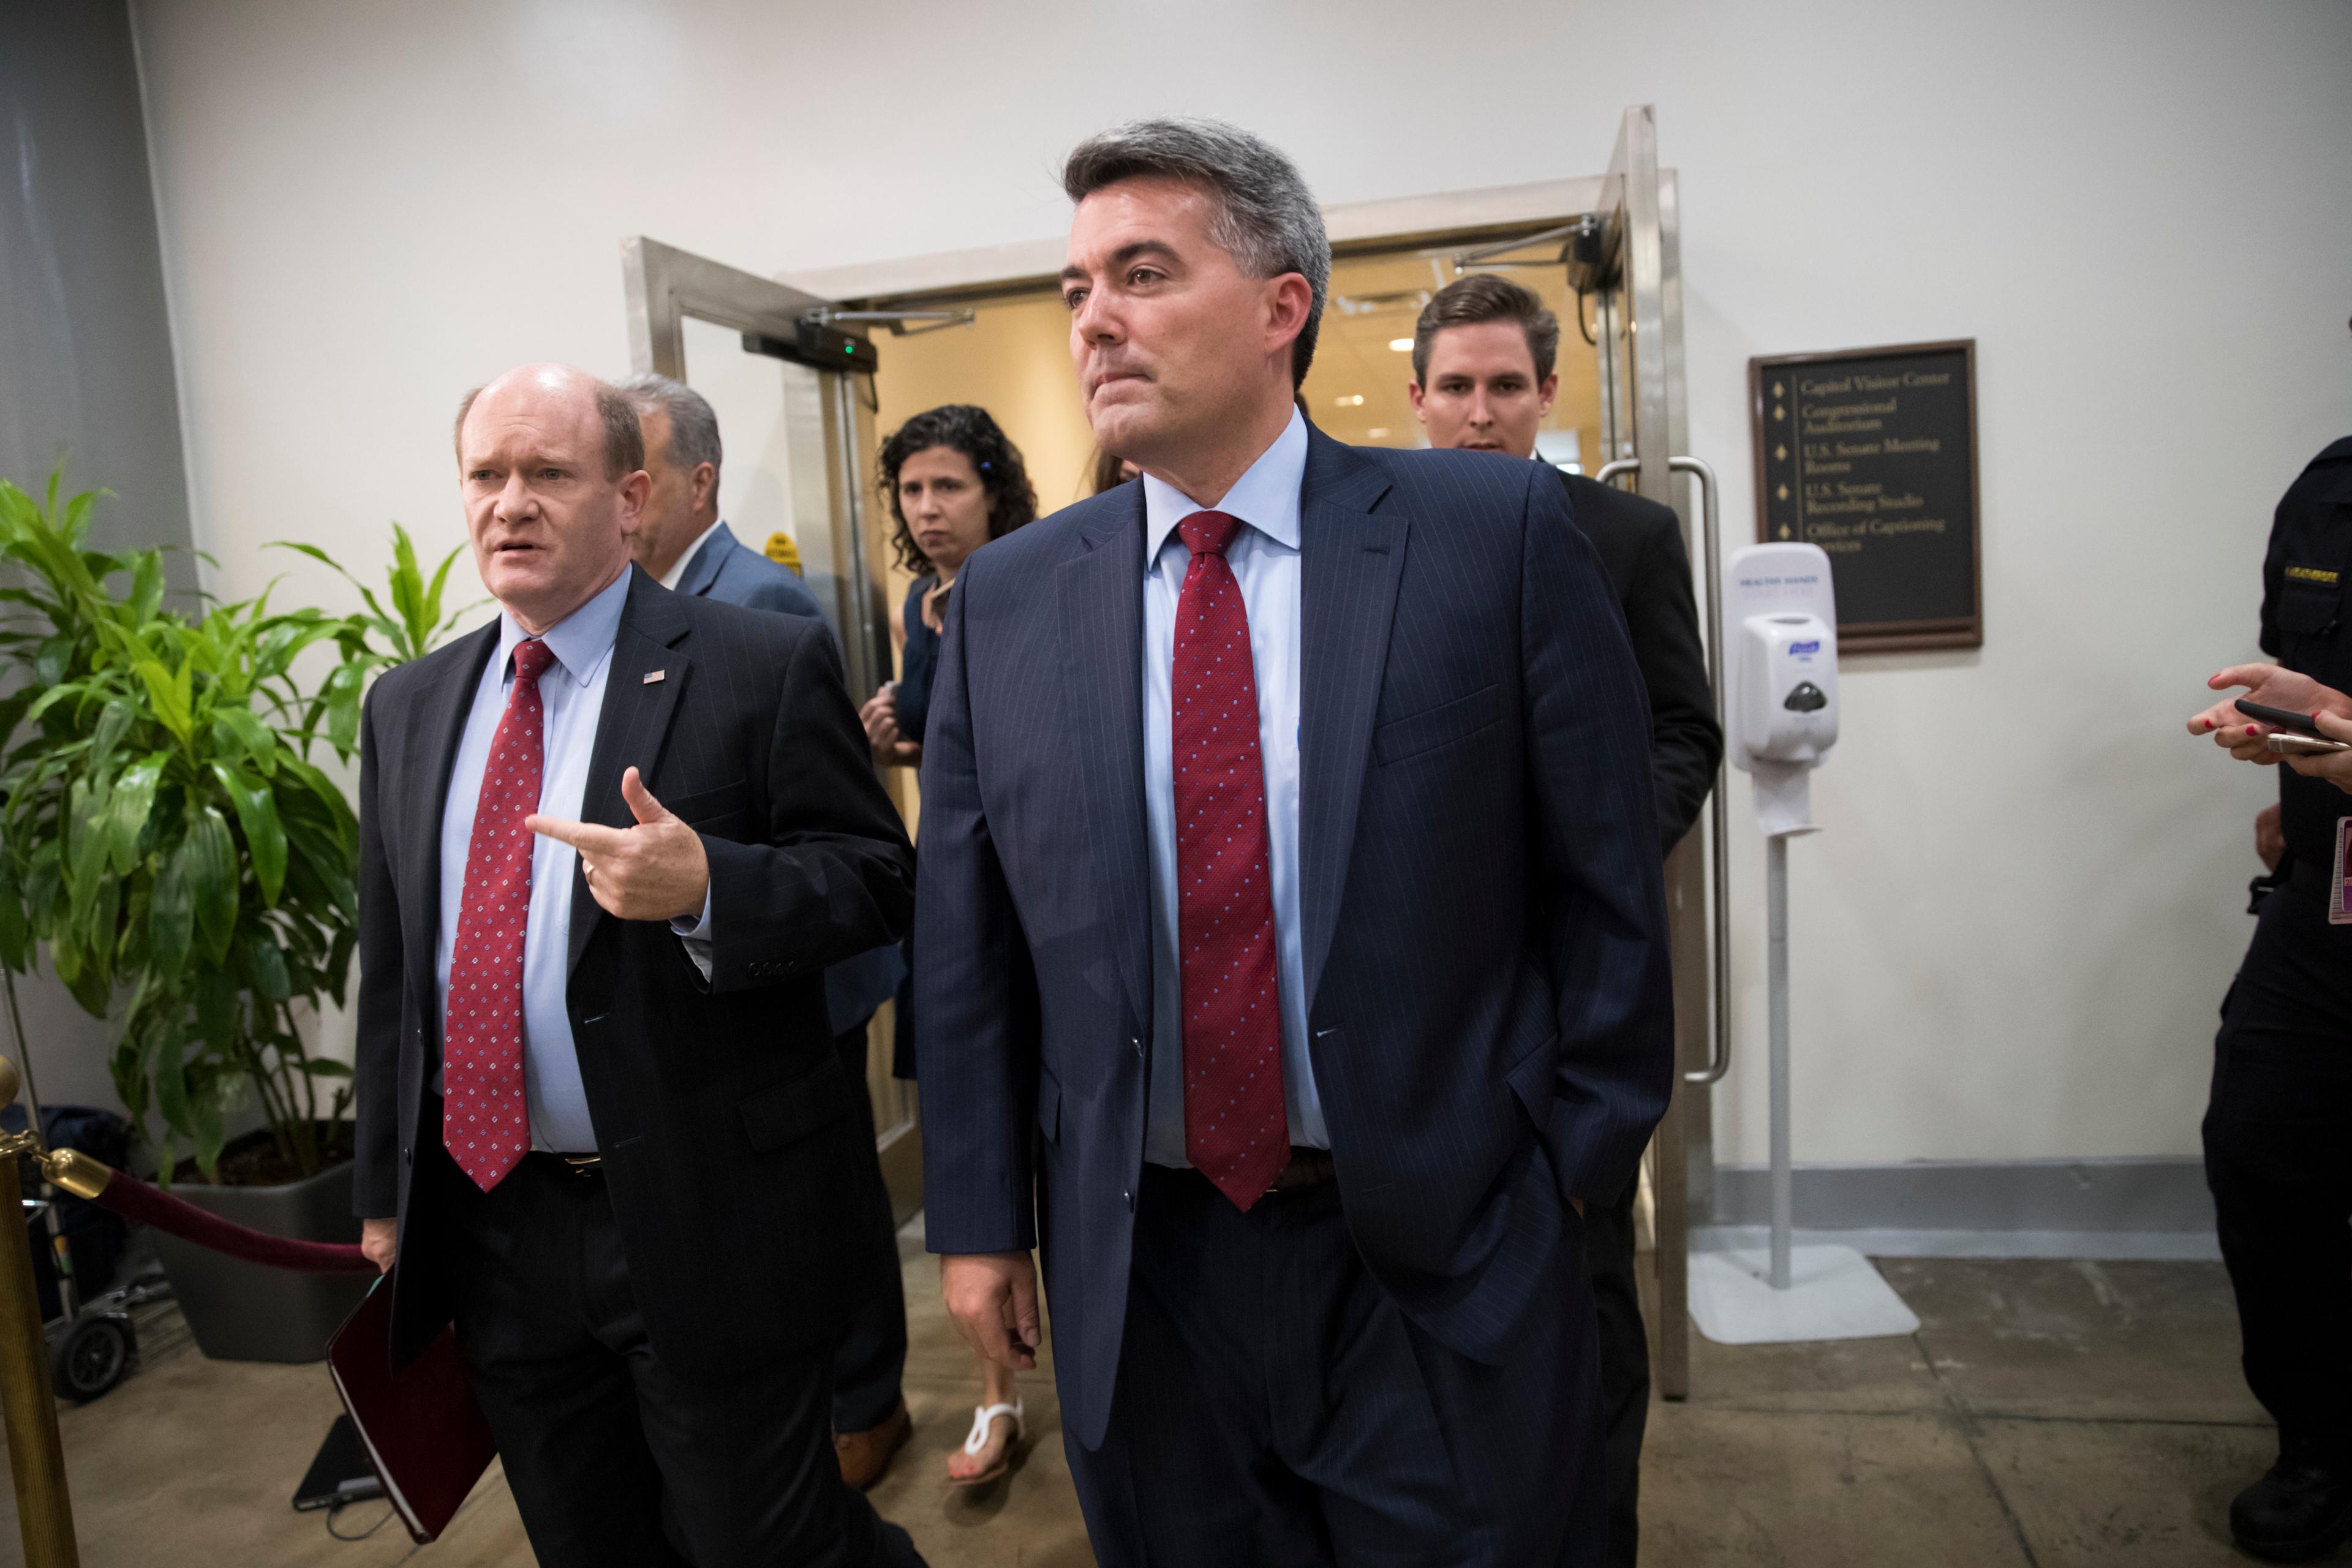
730	1133
1484	930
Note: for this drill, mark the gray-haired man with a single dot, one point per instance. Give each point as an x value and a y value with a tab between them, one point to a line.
682	545
1294	952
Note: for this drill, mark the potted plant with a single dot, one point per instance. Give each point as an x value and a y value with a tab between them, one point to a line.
166	832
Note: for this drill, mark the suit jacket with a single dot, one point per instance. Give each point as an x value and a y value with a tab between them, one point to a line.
1485	937
725	571
1641	546
730	1135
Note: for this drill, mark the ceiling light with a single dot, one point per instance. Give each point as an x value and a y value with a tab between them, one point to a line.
1354	401
1401	345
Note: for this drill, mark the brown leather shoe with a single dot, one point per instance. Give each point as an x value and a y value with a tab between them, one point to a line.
866	1455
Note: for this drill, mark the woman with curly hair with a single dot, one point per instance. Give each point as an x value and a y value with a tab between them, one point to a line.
953	482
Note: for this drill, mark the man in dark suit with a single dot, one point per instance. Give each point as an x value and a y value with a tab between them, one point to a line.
681	542
1483	357
1295	953
601	1124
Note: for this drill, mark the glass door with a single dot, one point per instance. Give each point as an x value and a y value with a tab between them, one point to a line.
797	427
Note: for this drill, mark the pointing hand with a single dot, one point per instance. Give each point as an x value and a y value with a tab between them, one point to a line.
654	871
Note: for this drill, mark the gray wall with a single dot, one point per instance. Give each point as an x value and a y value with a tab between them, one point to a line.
86	365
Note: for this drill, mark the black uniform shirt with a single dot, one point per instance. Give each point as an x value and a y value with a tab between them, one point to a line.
1641	547
2304	609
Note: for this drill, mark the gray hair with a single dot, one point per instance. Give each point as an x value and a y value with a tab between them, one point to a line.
693	424
1265	217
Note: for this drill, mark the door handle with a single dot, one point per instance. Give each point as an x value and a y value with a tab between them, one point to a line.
1718	821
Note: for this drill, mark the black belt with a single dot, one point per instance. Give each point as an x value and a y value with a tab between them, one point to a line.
1306	1168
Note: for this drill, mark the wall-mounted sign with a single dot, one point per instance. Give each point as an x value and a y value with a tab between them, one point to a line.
1871	454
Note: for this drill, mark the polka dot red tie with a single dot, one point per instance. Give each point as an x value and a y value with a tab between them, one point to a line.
1236	1129
485	1115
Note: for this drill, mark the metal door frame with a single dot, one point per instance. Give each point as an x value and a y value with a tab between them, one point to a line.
1645	425
664	286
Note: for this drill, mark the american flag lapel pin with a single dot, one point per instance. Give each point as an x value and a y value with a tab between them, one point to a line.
654	675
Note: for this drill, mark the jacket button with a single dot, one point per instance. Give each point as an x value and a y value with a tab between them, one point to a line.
1135	1043
1129	1198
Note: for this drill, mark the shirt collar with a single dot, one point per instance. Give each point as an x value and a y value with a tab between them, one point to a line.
676	572
1266	497
581	640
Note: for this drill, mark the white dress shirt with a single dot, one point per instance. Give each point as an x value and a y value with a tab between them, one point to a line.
1264	556
571	696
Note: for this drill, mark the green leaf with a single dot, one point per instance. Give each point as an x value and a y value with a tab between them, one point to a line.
147	584
265	839
15	931
267	961
169	693
87	839
326	1067
238	734
134	803
216	1008
212	876
172	913
168	1069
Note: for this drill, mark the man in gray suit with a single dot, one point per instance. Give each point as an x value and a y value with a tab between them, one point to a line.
682	544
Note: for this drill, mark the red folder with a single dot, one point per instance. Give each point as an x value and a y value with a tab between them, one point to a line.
427	1438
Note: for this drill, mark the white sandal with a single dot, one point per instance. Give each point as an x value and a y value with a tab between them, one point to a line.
983	1418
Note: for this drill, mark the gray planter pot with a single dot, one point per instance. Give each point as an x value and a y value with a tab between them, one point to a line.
244	1311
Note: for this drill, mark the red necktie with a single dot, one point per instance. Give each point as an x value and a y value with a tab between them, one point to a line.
1237	1130
485	1115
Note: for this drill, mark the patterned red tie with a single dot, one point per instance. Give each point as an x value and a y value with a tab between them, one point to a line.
1236	1130
485	1115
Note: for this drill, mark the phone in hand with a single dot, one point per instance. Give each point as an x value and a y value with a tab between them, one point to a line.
2306	745
2284	718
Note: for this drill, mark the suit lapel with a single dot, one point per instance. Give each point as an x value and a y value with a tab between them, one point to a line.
703	570
632	725
1351	560
441	707
1102	634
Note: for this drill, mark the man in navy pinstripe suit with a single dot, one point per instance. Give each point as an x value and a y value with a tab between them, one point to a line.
1294	959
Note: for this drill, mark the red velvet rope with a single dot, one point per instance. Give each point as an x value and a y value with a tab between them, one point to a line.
134	1200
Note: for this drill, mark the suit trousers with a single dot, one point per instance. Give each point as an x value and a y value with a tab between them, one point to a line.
2278	1158
613	1460
1274	1407
1624	1368
871	1357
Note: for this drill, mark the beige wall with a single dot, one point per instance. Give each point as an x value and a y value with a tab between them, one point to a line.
2011	937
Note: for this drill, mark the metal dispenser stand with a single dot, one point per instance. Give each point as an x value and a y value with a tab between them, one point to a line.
1779	646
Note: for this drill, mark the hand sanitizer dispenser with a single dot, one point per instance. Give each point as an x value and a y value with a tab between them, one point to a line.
1780	614
1788	693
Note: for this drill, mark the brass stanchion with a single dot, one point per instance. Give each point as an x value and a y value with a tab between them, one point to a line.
36	1459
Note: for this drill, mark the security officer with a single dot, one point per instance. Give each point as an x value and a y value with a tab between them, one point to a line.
2278	1128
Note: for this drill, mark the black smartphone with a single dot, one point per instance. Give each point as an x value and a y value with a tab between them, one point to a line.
2284	719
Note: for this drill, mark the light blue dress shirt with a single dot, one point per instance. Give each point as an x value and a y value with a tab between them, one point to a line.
1264	561
571	696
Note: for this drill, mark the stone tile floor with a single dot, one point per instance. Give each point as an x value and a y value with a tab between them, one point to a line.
2047	1413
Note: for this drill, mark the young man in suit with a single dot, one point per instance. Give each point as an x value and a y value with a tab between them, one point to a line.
681	542
1295	953
607	844
1483	357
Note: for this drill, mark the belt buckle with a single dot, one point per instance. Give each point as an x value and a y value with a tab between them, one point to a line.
582	1165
